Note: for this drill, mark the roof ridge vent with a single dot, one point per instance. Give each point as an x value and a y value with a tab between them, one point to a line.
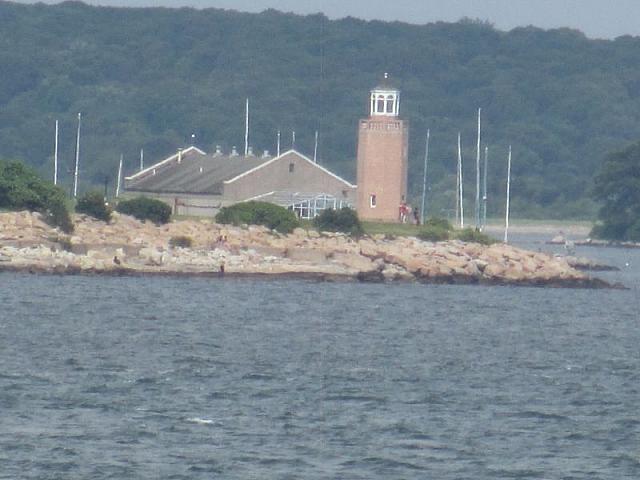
250	152
218	152
234	152
266	154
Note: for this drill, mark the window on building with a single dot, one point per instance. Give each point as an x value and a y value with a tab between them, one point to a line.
380	105
291	167
373	200
389	104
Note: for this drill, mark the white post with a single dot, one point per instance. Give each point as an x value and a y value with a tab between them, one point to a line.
315	149
55	158
293	139
141	159
457	194
118	181
246	129
424	178
484	189
278	145
506	220
460	180
75	172
477	210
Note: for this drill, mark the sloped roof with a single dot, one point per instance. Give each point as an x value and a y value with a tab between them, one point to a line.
200	173
292	153
197	172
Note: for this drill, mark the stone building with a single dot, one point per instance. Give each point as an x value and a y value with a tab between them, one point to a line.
195	183
382	157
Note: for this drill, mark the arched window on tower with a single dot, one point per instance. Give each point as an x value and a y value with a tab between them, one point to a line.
390	102
380	104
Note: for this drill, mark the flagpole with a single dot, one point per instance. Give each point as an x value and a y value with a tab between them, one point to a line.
141	159
424	178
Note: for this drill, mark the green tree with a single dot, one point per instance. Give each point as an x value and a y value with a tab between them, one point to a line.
22	188
617	186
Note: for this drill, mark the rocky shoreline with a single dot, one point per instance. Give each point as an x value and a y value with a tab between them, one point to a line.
127	246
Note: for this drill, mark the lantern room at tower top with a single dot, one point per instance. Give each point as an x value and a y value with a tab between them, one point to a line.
385	100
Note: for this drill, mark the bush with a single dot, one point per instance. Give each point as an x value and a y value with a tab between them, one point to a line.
93	204
259	213
344	220
441	223
181	241
22	188
473	236
433	233
144	208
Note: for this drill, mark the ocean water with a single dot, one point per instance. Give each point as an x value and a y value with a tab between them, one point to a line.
173	378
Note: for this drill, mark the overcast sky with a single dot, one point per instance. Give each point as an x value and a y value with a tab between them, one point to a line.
597	18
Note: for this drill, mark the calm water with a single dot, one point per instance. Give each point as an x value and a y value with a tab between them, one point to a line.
206	378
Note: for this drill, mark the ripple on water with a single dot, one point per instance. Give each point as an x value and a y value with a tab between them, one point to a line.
203	378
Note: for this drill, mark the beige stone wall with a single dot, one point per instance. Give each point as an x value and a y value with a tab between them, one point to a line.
382	167
305	178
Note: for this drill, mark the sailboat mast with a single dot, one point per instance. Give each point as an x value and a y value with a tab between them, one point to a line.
424	179
315	149
460	182
506	219
484	187
75	172
55	158
141	159
246	129
278	145
118	182
477	209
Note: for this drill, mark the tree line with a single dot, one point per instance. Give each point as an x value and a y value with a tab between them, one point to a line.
151	78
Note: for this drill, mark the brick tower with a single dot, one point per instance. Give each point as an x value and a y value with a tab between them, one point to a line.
382	157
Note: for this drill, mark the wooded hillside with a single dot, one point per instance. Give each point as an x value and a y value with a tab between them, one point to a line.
149	78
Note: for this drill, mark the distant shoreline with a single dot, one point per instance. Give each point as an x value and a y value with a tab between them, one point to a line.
126	246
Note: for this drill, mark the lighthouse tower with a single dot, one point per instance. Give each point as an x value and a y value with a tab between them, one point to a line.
382	156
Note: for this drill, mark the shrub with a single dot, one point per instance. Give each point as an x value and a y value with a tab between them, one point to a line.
181	241
144	208
441	223
259	213
93	204
433	233
473	236
344	220
22	188
435	230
